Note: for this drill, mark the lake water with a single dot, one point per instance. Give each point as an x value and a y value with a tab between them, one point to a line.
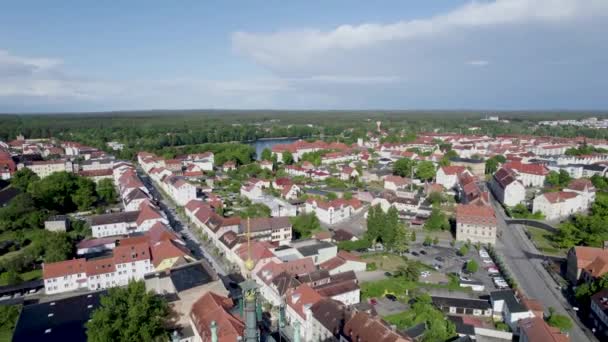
261	144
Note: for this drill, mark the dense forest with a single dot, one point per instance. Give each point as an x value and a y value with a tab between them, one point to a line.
156	130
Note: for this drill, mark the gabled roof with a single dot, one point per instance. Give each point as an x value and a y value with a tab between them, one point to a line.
452	170
581	185
63	268
362	327
476	214
534	169
213	307
585	255
167	250
301	298
148	213
559	196
598	267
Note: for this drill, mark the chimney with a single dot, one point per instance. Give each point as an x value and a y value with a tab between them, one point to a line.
213	331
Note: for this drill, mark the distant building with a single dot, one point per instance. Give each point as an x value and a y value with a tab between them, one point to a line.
476	166
44	168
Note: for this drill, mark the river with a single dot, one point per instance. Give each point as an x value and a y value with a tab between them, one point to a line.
261	144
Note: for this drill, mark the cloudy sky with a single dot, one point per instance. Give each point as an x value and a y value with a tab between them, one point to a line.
314	54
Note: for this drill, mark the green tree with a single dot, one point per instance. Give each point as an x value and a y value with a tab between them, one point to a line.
491	166
400	242
22	178
304	225
106	191
428	240
287	158
10	277
464	250
374	223
436	240
129	314
266	154
57	247
564	177
472	266
403	167
8	319
425	170
599	182
410	271
84	197
437	220
389	226
552	178
413	236
348	195
255	210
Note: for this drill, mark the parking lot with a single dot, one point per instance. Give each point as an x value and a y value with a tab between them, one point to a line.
450	262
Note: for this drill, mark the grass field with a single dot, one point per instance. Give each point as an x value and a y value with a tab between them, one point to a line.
386	262
543	241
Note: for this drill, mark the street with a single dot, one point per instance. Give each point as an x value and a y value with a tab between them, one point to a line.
179	226
525	263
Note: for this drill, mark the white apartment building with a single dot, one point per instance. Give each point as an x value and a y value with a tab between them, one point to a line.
44	168
448	175
557	205
332	212
507	188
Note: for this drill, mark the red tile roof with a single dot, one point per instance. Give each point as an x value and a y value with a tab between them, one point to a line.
535	169
213	307
475	214
63	268
559	196
453	170
301	297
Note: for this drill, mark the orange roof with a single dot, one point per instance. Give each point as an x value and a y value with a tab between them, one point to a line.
349	256
362	327
559	196
63	268
475	214
302	296
213	307
598	267
453	170
536	329
148	213
131	253
100	266
585	255
166	250
535	169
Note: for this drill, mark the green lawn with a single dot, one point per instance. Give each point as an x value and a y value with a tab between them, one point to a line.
386	262
396	286
543	241
26	276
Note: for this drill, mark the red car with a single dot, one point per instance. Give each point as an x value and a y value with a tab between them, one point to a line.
373	301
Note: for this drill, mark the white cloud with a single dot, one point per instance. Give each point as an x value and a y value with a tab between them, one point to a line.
478	63
277	50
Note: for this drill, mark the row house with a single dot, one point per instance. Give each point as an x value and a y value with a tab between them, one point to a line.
530	175
338	157
97	164
507	188
549	150
347	173
132	259
44	168
127	222
476	223
180	190
334	211
558	205
205	161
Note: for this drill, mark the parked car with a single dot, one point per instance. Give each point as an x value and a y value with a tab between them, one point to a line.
388	274
487	261
423	252
415	254
373	301
425	274
391	297
439	258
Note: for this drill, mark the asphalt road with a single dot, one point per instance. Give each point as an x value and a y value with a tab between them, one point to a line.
182	227
525	263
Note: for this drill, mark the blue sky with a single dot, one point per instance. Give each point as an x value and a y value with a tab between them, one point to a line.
410	54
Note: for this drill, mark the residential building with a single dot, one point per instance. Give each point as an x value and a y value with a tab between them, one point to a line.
344	262
584	188
507	189
180	190
582	257
535	329
133	258
273	229
328	318
213	320
334	211
558	205
531	175
298	310
447	176
507	307
96	164
395	183
44	168
476	223
362	327
599	313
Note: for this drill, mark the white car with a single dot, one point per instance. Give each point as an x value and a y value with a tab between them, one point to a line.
483	253
487	261
493	270
425	274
